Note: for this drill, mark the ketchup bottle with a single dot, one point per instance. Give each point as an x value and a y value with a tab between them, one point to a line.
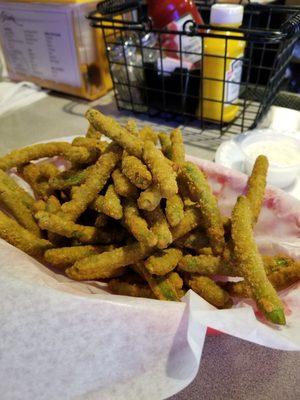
163	12
172	15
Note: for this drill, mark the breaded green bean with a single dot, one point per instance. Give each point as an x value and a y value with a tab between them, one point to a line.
131	127
162	172
210	291
90	144
69	178
149	199
92	133
204	265
166	144
21	238
275	263
256	185
112	204
95	181
112	129
201	192
23	156
39	205
196	240
159	227
136	171
123	186
251	265
177	146
82	155
12	185
66	256
192	219
104	265
280	279
124	288
161	286
209	265
11	202
174	210
176	280
147	133
85	234
137	225
163	261
38	176
52	205
97	204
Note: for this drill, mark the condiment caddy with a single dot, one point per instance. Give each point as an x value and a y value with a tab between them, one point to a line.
180	65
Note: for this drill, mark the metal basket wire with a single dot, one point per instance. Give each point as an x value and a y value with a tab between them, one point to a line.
143	86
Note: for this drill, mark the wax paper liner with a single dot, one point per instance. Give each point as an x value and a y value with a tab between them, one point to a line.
71	340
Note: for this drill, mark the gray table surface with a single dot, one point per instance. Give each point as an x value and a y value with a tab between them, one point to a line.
231	368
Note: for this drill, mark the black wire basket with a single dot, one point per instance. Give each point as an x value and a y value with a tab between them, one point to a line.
152	78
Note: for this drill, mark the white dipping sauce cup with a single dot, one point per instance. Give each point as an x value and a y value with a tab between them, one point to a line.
279	175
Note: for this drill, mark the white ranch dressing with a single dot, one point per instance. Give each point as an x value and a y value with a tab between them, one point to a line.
283	152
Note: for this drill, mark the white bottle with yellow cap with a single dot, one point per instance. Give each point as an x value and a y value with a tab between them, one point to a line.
222	65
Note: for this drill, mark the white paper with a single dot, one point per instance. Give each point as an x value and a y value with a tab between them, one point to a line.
71	340
38	41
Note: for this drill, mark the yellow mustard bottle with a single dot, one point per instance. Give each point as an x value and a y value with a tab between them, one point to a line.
222	66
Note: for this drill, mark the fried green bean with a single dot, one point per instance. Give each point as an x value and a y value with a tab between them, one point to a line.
163	261
174	210
112	204
23	156
159	227
147	133
124	288
210	291
275	263
85	234
280	280
176	280
201	193
136	171
90	144
166	145
209	265
204	265
21	238
177	146
138	225
92	133
105	264
149	199
95	181
195	240
251	265
38	176
13	204
69	178
192	219
161	286
162	172
123	186
256	186
66	256
132	128
52	205
112	129
12	185
82	155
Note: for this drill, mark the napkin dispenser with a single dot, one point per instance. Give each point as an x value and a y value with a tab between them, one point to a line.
51	43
